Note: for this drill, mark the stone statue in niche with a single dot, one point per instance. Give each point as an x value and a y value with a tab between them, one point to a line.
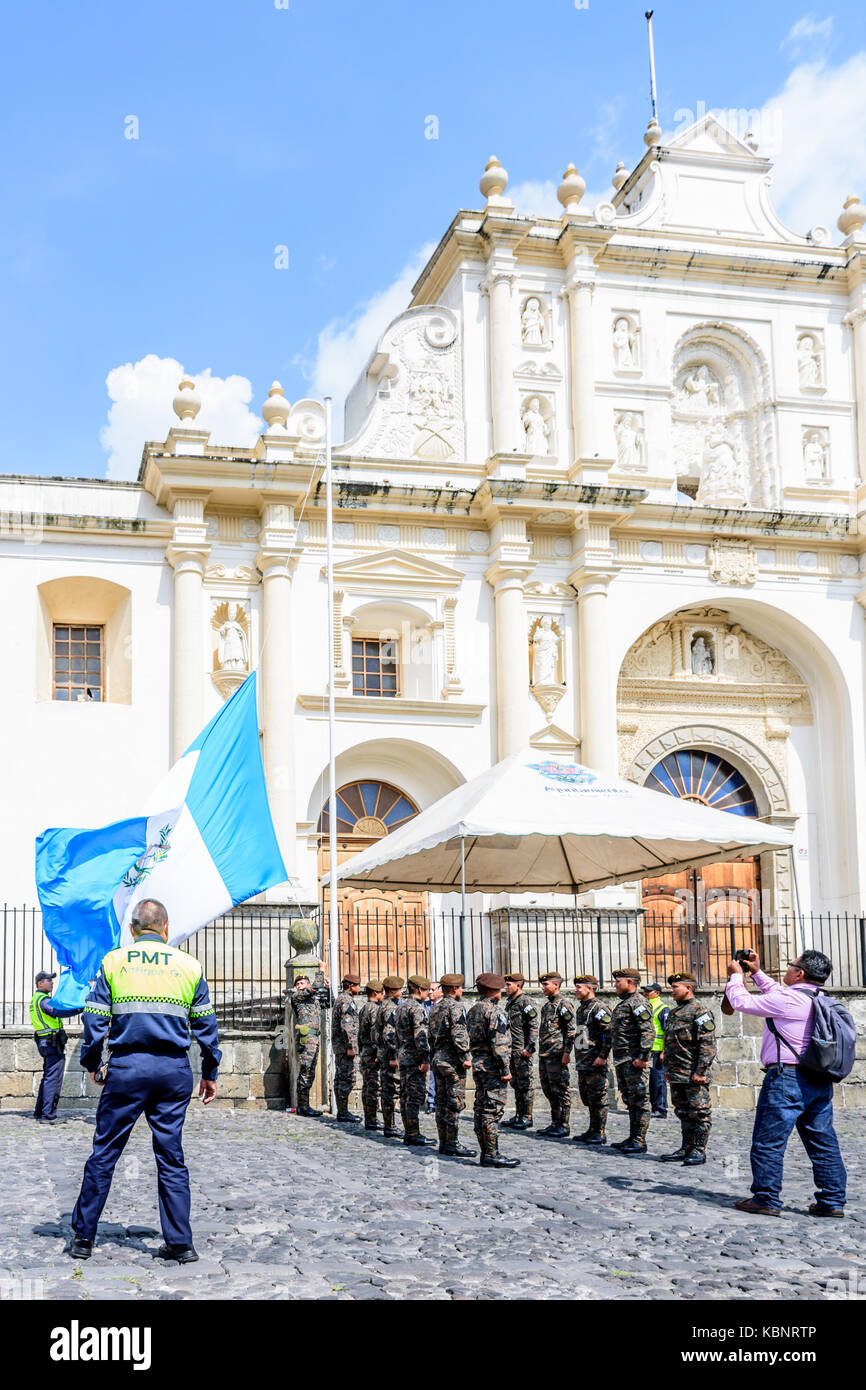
532	323
232	649
808	362
545	654
623	345
535	428
723	481
814	457
699	393
628	443
703	661
428	395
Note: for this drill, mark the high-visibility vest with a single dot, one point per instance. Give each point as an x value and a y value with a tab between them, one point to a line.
659	1040
150	977
43	1024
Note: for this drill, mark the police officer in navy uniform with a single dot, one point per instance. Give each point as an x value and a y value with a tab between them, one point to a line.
51	1040
146	998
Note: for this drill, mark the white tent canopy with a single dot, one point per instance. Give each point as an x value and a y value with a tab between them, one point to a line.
542	824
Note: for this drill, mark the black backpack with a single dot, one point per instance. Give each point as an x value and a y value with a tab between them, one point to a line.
829	1053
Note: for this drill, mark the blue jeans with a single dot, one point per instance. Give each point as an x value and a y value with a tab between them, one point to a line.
53	1067
658	1088
790	1098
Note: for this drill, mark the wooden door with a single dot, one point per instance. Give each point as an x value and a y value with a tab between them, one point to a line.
695	920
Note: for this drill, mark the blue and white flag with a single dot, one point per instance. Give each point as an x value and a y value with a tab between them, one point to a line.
204	842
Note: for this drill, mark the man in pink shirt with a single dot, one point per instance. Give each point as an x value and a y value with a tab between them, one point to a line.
789	1096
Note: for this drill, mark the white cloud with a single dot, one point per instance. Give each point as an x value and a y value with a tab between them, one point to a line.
808	33
812	126
537	198
141	396
345	345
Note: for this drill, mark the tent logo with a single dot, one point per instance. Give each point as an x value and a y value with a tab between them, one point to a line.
565	772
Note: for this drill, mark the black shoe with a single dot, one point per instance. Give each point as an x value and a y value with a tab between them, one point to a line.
522	1124
676	1157
498	1161
817	1210
181	1254
659	1115
548	1129
372	1124
621	1143
590	1136
80	1249
693	1158
632	1146
48	1120
346	1118
307	1110
417	1141
556	1132
390	1133
450	1149
513	1123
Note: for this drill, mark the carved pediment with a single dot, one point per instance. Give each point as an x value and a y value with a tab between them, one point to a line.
704	644
555	740
394	570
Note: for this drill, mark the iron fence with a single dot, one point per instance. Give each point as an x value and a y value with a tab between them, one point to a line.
243	953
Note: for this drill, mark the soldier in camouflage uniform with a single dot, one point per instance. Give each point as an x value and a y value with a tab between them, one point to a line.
367	1053
557	1031
592	1019
449	1045
413	1054
344	1040
490	1041
630	1040
385	1038
689	1052
522	1018
307	1012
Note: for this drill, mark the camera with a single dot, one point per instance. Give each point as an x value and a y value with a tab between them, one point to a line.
743	956
323	994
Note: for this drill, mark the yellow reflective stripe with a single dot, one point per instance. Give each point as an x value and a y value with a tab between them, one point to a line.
152	970
96	1009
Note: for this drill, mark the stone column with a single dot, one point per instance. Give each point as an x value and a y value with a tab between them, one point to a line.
579	291
598	741
187	552
857	322
512	656
503	403
276	560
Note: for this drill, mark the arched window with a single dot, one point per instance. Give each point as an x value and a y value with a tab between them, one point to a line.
698	776
369	809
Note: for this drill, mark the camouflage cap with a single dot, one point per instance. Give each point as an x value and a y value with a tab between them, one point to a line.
351	979
627	974
392	982
373	986
490	981
551	975
681	977
585	980
452	981
515	978
418	982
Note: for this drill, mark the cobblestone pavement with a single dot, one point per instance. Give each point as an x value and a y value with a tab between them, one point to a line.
285	1207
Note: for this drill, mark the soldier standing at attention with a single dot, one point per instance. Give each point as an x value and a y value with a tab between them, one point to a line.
367	1052
592	1018
490	1040
385	1038
449	1044
556	1036
414	1057
522	1018
344	1040
689	1052
307	1012
631	1040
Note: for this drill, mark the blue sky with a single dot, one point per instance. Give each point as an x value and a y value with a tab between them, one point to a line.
260	126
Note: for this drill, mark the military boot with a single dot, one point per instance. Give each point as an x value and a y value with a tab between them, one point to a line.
636	1142
595	1134
304	1107
697	1150
370	1121
516	1121
413	1137
452	1147
492	1158
390	1130
679	1154
554	1121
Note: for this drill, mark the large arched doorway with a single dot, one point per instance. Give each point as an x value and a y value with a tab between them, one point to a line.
695	920
381	932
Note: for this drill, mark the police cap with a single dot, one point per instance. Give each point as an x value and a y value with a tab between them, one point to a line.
627	974
451	981
419	982
681	977
392	982
490	981
585	980
651	989
45	975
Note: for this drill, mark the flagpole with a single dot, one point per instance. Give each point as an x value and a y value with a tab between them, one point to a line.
333	915
648	16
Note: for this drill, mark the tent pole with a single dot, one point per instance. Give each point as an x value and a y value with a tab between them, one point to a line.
802	930
333	906
463	902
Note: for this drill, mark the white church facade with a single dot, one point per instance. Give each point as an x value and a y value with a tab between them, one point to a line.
602	491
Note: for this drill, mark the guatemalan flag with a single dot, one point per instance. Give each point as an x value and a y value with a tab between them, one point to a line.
204	842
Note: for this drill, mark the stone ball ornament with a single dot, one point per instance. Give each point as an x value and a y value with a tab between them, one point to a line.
303	933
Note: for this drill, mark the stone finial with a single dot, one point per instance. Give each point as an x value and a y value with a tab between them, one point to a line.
276	409
750	140
571	190
187	402
852	217
620	177
494	180
653	134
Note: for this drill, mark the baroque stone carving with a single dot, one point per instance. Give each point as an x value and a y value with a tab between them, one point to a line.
624	341
810	361
723	482
703	661
628	429
533	324
546	664
536	428
230	624
732	562
816	455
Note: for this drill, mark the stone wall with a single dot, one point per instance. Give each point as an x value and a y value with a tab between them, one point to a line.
253	1074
